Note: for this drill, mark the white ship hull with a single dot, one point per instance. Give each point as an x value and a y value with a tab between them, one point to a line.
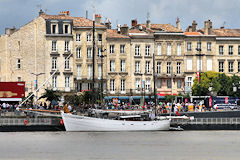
82	123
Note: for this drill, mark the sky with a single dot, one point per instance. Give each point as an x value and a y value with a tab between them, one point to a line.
221	12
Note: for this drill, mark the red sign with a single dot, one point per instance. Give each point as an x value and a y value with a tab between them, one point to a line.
12	89
198	76
186	100
210	102
226	100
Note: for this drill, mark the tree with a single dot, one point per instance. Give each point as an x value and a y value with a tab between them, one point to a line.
169	98
29	102
208	79
225	84
51	95
74	99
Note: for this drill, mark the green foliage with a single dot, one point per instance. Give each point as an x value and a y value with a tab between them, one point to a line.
170	98
29	102
220	83
74	99
51	95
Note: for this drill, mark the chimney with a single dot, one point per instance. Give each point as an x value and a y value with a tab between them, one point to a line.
148	24
40	12
108	24
64	13
194	26
9	31
189	29
134	23
124	29
119	28
178	24
86	14
207	27
98	18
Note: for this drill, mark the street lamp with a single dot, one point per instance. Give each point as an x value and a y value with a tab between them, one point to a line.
36	81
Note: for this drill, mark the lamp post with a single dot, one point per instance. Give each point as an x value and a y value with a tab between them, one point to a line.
200	64
36	79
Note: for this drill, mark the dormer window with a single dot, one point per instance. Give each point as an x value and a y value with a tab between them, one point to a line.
54	28
66	29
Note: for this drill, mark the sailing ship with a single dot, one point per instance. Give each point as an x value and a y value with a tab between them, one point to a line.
126	123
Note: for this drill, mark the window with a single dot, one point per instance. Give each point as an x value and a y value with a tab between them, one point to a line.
189	64
148	84
138	84
54	46
79	70
89	71
199	64
159	83
122	48
178	67
123	69
168	67
18	64
230	50
238	66
209	64
169	49
147	67
189	46
179	83
54	29
99	71
169	83
159	68
99	52
54	82
67	81
123	89
221	66
90	86
79	86
179	49
89	37
199	46
78	53
209	46
147	50
239	50
137	50
230	67
112	85
89	52
66	29
137	67
66	46
159	49
100	37
19	79
78	37
67	66
111	48
220	50
54	63
112	66
189	81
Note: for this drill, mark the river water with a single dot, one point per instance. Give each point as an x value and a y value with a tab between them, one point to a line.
183	145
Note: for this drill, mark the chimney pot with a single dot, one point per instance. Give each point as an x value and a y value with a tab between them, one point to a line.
134	23
178	23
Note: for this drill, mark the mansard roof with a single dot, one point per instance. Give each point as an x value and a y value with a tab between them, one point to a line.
163	27
77	21
111	33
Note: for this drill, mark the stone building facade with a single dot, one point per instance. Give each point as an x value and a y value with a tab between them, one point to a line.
123	57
